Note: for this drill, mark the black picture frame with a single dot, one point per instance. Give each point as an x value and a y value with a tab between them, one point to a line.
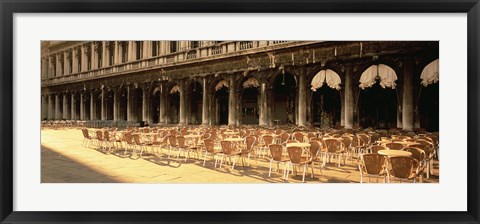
9	7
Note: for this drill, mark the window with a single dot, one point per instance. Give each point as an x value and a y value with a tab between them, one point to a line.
62	63
173	46
124	52
154	48
54	67
111	53
70	62
89	61
99	57
79	59
194	44
139	49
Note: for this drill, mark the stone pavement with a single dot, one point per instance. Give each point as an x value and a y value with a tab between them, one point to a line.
64	160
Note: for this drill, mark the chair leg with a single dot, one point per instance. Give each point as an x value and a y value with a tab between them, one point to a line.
270	169
204	158
304	170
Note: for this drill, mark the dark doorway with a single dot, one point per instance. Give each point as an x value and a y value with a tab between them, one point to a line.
284	99
378	107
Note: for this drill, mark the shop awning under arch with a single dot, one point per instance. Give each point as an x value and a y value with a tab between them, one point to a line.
251	82
175	89
328	76
221	84
430	73
386	74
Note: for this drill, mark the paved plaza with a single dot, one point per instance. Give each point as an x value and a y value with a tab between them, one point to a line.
64	160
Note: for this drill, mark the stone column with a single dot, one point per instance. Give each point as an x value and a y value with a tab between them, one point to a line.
146	105
73	107
407	102
205	104
103	108
232	101
349	99
263	105
147	52
58	116
116	55
161	118
129	104
302	100
82	107
116	105
51	107
104	55
92	107
65	114
182	117
131	54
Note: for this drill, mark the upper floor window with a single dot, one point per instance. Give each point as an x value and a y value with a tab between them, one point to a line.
155	46
173	46
139	49
194	44
111	53
124	52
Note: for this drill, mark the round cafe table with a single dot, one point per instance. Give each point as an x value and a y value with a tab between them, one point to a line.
234	139
192	137
394	153
298	144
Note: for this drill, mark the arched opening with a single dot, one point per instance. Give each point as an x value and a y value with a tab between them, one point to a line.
77	106
156	105
60	108
123	102
109	104
378	107
378	98
221	105
326	101
174	105
195	94
86	103
428	102
326	107
429	107
137	105
249	101
97	101
284	99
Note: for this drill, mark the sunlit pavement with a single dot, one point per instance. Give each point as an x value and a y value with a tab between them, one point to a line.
64	160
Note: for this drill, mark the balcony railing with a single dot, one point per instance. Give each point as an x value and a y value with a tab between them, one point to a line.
204	51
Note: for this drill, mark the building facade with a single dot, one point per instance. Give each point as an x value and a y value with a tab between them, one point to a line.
322	83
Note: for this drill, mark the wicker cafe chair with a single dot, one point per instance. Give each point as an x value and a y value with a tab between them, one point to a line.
296	159
276	150
347	142
394	146
210	151
229	151
139	143
250	149
299	136
428	160
372	164
128	142
182	147
404	168
334	148
87	139
419	155
315	152
376	148
100	140
267	140
172	141
284	137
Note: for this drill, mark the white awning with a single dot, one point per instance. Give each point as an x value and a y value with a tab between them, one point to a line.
430	73
221	84
332	79
175	89
251	82
387	76
157	89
